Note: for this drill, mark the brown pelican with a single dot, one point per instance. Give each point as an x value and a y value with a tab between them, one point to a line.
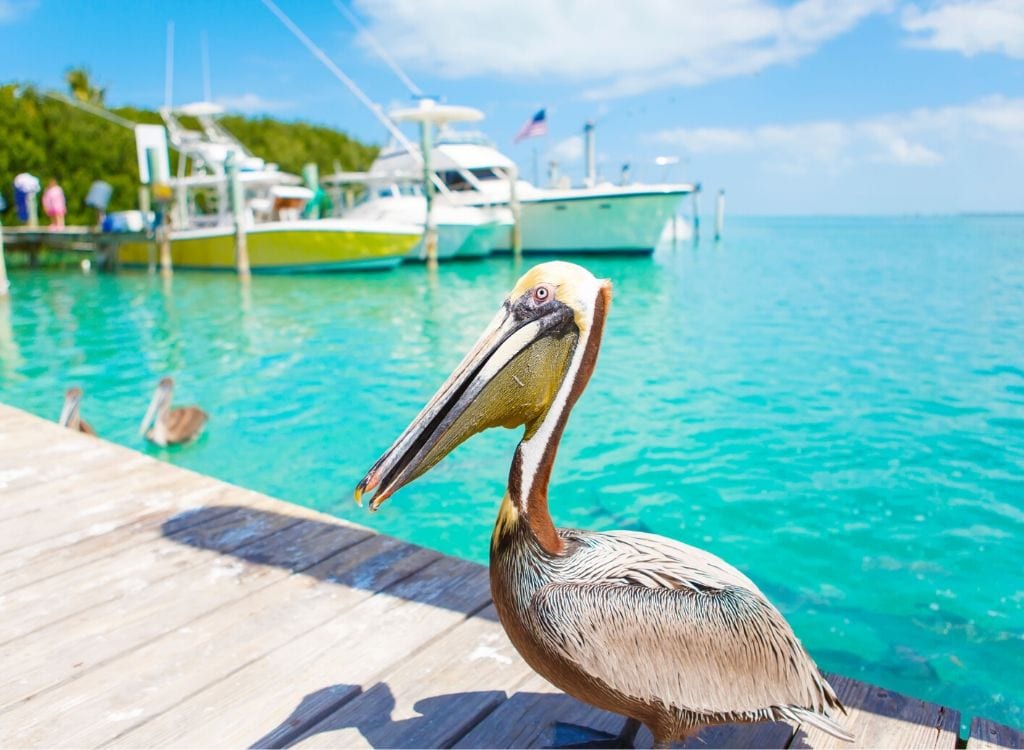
171	426
69	414
638	624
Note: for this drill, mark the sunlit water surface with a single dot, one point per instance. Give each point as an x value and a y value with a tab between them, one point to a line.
836	406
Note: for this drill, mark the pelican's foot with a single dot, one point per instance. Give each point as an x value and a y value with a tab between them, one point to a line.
576	736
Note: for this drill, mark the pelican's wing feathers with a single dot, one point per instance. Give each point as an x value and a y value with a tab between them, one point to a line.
185	423
662	621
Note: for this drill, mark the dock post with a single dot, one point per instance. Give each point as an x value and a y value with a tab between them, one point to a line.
719	214
517	214
696	214
5	285
33	209
159	195
430	227
164	240
237	196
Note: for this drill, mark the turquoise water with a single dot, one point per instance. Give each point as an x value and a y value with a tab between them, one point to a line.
836	406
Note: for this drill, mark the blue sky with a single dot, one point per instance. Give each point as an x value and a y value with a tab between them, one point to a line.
807	107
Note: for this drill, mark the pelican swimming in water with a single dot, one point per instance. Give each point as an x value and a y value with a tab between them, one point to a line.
663	633
171	426
69	414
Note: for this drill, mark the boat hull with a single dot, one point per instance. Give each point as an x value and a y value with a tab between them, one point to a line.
285	247
610	224
480	241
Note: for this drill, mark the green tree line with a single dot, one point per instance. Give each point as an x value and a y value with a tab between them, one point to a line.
51	139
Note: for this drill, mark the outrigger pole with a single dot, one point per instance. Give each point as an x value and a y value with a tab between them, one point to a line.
357	92
378	48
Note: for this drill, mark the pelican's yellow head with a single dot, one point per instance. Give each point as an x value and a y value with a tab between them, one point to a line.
528	368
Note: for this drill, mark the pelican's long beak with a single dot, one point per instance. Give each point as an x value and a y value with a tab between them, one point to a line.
72	400
154	406
509	378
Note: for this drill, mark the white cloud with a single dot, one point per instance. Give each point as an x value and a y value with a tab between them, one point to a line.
617	48
918	138
250	102
568	150
15	10
969	27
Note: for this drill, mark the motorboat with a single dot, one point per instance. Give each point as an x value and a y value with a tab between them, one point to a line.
278	238
594	218
462	231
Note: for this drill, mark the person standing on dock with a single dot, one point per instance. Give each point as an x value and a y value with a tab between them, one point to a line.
54	204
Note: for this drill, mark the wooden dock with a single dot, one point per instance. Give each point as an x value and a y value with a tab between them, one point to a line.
100	247
144	605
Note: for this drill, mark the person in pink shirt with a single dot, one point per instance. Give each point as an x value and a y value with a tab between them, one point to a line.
54	204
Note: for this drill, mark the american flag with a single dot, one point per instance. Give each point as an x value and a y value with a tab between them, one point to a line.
536	125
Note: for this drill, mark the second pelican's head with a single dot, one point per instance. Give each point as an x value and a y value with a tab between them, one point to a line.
69	413
161	401
528	368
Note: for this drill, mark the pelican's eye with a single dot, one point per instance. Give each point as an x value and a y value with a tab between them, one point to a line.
543	293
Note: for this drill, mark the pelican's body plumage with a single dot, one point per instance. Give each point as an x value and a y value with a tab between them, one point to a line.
171	426
663	633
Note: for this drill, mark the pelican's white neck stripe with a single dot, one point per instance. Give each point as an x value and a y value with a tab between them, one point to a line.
532	450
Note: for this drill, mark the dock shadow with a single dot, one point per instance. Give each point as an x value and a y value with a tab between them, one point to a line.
441	720
299	545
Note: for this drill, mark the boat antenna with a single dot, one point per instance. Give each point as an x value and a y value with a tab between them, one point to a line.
357	92
378	48
169	66
205	45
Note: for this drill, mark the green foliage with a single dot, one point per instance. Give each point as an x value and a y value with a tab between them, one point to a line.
82	88
52	139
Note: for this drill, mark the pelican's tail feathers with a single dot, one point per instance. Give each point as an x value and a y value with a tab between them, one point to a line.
813	718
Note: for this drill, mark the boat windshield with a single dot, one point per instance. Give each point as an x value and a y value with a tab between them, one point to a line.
455	180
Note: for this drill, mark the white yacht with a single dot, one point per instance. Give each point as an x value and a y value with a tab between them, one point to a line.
601	218
462	231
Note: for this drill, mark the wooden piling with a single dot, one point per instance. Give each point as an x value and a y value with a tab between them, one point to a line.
517	214
5	285
696	214
430	227
719	214
160	230
237	197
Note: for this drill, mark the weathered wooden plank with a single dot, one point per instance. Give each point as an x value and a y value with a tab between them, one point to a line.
33	450
327	665
530	715
775	734
115	503
126	572
202	581
208	642
880	718
59	554
988	735
431	699
409	616
83	480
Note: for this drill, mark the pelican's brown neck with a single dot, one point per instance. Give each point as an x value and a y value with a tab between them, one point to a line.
535	455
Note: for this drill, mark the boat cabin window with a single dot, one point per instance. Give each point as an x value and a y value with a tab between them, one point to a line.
485	173
454	180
